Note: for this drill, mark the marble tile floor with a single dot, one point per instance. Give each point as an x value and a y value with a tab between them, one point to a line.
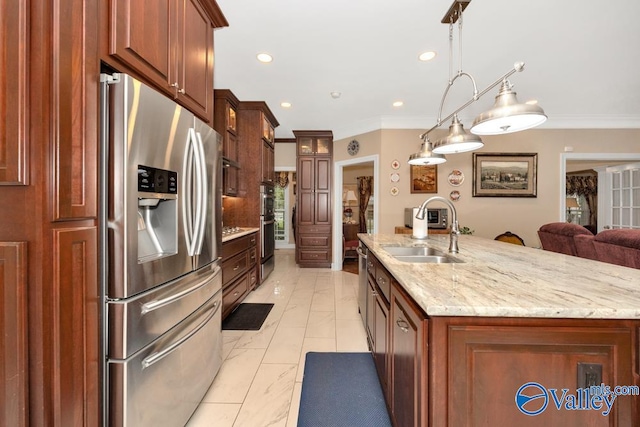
260	380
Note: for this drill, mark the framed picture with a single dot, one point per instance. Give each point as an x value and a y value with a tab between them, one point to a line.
505	174
424	179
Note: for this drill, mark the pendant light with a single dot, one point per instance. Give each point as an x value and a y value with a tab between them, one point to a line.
458	140
508	115
426	156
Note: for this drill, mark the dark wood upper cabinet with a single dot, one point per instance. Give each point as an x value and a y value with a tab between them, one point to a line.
194	64
74	113
14	60
170	44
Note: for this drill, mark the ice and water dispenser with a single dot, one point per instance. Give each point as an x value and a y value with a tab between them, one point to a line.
157	213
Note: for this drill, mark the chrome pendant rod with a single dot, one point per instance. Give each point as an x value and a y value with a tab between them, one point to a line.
517	67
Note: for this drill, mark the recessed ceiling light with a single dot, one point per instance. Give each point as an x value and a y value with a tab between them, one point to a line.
264	57
285	104
398	104
427	56
335	95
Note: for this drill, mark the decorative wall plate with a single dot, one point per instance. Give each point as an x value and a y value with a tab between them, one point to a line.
395	165
454	195
353	147
394	177
394	191
456	178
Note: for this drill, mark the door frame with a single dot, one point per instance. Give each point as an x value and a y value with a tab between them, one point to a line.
616	157
287	208
337	202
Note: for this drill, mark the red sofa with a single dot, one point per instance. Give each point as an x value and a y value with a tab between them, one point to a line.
559	237
619	246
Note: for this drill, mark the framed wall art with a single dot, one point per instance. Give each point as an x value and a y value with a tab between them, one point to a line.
424	179
505	174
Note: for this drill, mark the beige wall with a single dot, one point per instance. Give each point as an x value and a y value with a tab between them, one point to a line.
285	155
488	216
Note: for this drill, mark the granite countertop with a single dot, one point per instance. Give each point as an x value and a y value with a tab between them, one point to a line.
243	232
499	279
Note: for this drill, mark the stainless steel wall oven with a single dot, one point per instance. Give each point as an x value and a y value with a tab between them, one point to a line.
267	230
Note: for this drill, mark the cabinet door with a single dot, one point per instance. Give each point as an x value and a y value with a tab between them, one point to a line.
371	312
306	171
267	162
13	352
323	174
322	191
380	351
405	361
194	65
323	146
230	146
140	37
305	146
305	210
13	91
230	181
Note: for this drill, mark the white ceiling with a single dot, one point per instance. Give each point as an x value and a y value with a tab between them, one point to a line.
582	60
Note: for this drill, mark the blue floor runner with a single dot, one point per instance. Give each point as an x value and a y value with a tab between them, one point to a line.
341	389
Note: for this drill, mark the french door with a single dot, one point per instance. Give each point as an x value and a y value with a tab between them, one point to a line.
623	199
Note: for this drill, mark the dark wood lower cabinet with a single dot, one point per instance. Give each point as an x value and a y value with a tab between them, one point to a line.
13	340
239	271
408	362
480	363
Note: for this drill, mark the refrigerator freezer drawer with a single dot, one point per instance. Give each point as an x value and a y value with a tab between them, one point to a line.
135	322
163	384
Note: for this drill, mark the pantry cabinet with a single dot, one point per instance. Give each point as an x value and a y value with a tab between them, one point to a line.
170	43
313	198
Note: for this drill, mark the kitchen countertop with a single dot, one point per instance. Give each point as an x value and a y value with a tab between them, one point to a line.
499	279
244	231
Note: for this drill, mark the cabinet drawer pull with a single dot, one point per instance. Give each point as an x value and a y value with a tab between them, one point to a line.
374	294
174	84
236	293
381	280
369	264
181	91
403	325
236	267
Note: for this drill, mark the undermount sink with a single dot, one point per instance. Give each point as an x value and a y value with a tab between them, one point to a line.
419	255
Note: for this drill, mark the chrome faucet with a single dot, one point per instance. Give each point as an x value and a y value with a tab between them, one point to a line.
453	235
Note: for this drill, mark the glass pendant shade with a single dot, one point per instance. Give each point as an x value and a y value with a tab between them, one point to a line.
426	156
458	140
508	115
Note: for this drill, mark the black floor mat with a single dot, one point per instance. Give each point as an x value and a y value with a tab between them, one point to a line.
247	317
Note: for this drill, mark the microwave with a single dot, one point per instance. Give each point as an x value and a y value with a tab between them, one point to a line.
436	218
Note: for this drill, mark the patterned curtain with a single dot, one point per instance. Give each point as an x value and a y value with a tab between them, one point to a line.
282	179
587	186
365	189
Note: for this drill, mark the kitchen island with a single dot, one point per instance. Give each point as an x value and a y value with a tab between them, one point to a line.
455	342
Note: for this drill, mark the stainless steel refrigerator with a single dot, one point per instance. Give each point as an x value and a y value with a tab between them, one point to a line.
161	242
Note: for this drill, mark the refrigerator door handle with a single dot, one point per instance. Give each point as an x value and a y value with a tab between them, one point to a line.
158	356
201	213
156	304
187	189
